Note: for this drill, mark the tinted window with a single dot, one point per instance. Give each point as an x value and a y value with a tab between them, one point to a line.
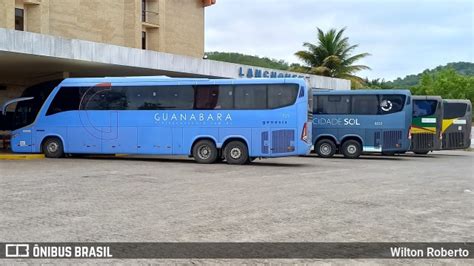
26	111
424	107
210	97
160	98
365	105
19	19
454	110
104	98
67	99
281	95
332	104
250	97
391	103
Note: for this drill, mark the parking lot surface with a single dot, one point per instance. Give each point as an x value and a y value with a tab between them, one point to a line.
374	198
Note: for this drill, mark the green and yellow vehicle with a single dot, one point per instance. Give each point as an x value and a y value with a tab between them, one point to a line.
457	123
426	124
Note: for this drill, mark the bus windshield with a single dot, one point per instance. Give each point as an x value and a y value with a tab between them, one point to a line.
26	111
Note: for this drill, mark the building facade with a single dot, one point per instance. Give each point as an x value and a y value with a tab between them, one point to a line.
43	40
171	26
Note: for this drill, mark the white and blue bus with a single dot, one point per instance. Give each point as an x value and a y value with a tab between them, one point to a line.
358	121
208	119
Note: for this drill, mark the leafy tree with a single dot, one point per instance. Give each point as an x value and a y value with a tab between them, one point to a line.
447	84
376	84
332	56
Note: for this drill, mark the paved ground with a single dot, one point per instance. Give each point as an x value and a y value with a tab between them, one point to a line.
401	198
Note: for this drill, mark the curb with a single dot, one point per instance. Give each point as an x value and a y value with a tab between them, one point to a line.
21	156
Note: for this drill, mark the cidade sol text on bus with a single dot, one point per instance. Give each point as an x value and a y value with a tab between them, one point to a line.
322	121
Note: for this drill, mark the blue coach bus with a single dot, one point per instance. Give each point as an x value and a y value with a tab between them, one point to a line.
233	120
353	122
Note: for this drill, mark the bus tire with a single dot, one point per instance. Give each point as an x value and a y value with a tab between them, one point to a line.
236	152
351	149
53	148
421	152
325	148
205	151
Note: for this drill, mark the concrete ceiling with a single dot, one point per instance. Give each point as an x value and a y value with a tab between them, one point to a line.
15	66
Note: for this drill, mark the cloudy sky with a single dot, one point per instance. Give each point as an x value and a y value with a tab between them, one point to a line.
404	36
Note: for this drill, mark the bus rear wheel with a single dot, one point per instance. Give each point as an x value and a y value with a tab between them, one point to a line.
421	152
351	149
325	148
236	152
53	148
205	151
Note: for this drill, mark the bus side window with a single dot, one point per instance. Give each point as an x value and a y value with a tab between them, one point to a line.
250	97
365	105
211	97
332	104
281	95
164	98
67	99
206	97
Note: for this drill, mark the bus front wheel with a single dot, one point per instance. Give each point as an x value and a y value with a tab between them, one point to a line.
236	152
325	148
205	151
53	148
351	149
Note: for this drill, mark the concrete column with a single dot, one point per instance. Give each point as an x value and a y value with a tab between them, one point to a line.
37	17
162	19
132	23
7	14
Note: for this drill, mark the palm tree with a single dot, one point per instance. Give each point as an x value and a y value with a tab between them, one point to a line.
332	56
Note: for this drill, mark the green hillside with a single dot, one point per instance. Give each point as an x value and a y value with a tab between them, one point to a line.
462	68
250	60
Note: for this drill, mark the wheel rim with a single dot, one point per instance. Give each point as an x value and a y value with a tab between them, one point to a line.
204	152
325	149
235	153
351	149
53	147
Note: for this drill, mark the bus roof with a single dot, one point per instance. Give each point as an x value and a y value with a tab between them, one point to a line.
165	79
468	102
427	97
360	92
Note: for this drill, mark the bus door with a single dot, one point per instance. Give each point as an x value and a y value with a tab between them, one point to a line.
26	143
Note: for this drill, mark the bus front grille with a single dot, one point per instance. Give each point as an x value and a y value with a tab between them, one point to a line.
453	140
283	141
392	139
423	141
